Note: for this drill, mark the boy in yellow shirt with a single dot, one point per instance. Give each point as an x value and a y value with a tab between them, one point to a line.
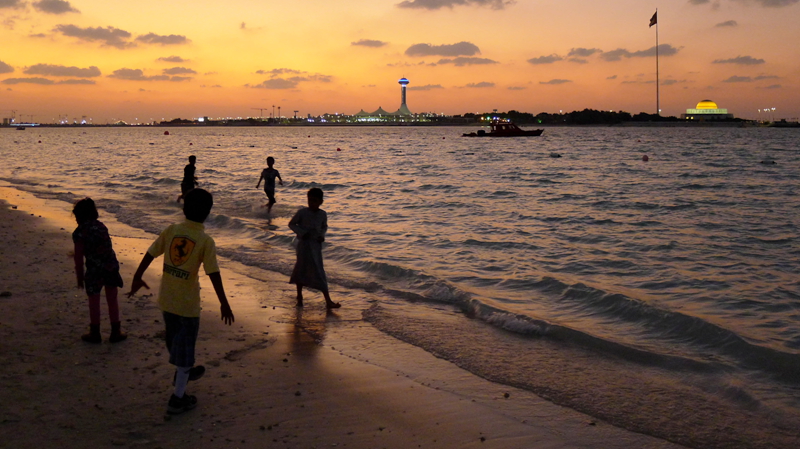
185	246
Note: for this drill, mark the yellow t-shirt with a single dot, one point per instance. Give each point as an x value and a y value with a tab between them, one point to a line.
185	246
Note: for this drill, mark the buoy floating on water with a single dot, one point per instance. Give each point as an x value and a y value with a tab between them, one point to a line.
338	149
166	133
555	155
645	158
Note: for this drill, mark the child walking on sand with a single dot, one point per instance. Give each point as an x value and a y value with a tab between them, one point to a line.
268	175
93	243
185	246
189	179
310	224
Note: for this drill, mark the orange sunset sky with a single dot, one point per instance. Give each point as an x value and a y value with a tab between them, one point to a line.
146	59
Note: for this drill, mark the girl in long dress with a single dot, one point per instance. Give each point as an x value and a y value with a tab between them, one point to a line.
310	224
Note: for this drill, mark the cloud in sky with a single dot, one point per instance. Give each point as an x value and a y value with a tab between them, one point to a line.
583	52
109	36
276	72
77	82
764	3
462	61
545	59
459	49
618	54
136	75
54	6
747	79
773	86
175	59
5	68
741	60
671	82
738	79
555	81
727	23
34	80
439	4
60	70
277	83
480	85
578	60
290	82
426	87
43	81
12	4
153	38
369	43
771	3
612	77
179	71
515	88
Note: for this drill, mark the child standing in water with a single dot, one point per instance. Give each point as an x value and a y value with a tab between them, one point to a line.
310	224
268	175
189	179
93	243
185	247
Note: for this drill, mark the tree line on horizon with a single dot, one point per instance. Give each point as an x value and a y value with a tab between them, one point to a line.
584	117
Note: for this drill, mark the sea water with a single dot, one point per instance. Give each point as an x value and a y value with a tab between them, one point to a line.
659	294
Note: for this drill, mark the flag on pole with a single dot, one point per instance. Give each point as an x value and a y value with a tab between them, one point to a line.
654	19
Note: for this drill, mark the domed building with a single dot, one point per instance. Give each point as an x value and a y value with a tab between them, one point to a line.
706	110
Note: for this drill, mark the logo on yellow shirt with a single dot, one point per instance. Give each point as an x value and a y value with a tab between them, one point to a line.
180	249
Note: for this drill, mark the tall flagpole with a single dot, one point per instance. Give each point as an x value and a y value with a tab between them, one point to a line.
654	21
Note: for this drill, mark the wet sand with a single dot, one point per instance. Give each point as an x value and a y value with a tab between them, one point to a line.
279	377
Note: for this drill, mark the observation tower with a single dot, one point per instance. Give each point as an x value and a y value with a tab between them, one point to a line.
403	108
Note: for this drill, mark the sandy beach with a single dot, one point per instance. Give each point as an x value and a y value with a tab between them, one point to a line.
279	377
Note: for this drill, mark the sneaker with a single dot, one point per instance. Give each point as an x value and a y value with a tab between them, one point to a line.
178	405
195	373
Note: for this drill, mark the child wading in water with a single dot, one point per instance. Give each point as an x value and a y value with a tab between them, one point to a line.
268	175
189	179
185	246
102	269
310	224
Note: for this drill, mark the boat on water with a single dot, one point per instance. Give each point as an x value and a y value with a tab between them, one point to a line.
504	129
21	128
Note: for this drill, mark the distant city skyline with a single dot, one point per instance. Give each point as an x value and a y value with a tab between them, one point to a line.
154	60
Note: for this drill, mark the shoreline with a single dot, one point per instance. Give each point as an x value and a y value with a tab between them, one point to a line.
294	378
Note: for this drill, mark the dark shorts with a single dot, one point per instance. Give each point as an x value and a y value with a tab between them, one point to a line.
181	338
270	196
95	281
186	186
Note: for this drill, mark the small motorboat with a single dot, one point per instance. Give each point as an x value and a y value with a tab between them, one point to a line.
21	128
505	129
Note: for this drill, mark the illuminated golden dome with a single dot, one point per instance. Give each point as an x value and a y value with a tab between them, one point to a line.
707	104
